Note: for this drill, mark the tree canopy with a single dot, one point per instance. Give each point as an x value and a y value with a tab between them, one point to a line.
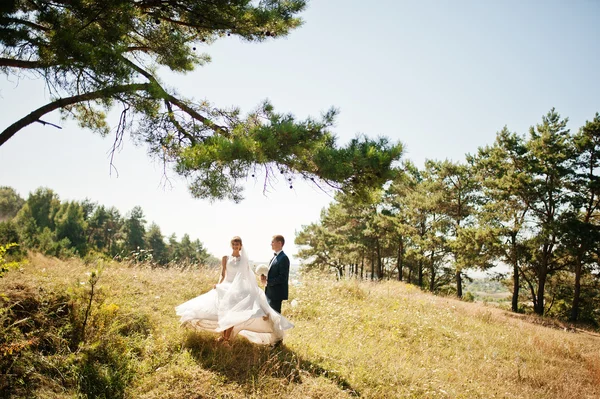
99	55
10	203
527	203
91	231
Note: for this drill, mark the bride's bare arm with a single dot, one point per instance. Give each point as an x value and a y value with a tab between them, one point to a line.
223	270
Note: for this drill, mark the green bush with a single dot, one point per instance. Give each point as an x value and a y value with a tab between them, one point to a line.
5	262
468	297
103	369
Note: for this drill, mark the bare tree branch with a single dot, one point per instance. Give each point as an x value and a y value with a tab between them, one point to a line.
48	123
118	137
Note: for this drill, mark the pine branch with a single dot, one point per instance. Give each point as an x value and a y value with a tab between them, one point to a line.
174	100
13	63
8	20
64	102
180	129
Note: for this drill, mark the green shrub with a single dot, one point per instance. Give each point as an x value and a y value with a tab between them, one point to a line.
6	264
468	297
103	369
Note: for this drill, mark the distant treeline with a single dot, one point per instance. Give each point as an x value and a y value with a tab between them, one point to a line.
529	202
63	229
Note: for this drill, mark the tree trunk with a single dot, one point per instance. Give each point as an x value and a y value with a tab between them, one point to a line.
539	305
458	284
515	295
362	267
432	279
542	276
576	292
400	263
420	273
379	264
531	290
516	283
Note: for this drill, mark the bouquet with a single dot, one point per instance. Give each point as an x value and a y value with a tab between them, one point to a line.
261	270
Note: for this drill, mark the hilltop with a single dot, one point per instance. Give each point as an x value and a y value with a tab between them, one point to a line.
351	339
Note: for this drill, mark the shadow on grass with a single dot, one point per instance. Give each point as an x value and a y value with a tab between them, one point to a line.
244	362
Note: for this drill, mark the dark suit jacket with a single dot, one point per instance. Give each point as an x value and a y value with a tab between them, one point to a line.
277	279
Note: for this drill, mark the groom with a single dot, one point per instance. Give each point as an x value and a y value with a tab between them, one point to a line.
276	282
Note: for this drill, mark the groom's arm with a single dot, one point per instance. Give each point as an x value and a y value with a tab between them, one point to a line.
283	271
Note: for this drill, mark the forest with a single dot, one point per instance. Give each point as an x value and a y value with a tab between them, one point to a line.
45	224
527	203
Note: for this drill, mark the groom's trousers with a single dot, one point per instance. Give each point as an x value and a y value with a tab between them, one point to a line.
276	305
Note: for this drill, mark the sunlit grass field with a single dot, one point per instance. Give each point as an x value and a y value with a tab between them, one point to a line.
351	339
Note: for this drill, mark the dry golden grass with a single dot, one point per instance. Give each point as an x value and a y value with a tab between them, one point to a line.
351	339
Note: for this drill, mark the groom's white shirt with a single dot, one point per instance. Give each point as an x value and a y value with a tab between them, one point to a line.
274	257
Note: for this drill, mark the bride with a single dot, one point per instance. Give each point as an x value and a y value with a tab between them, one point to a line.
236	305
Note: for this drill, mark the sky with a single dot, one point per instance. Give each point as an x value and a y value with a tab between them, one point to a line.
441	77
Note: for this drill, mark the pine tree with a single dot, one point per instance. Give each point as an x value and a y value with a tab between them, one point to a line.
100	54
155	242
582	237
549	156
501	169
134	231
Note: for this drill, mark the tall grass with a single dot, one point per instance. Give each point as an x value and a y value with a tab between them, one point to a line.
351	339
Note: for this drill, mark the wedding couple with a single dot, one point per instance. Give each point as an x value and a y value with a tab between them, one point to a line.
236	304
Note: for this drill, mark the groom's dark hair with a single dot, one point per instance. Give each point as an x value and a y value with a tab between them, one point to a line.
279	238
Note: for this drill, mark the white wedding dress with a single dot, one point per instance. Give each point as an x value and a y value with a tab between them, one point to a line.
237	302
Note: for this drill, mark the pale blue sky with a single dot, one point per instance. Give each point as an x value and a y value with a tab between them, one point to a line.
442	77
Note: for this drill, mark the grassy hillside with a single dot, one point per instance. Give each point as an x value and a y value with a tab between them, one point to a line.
351	339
